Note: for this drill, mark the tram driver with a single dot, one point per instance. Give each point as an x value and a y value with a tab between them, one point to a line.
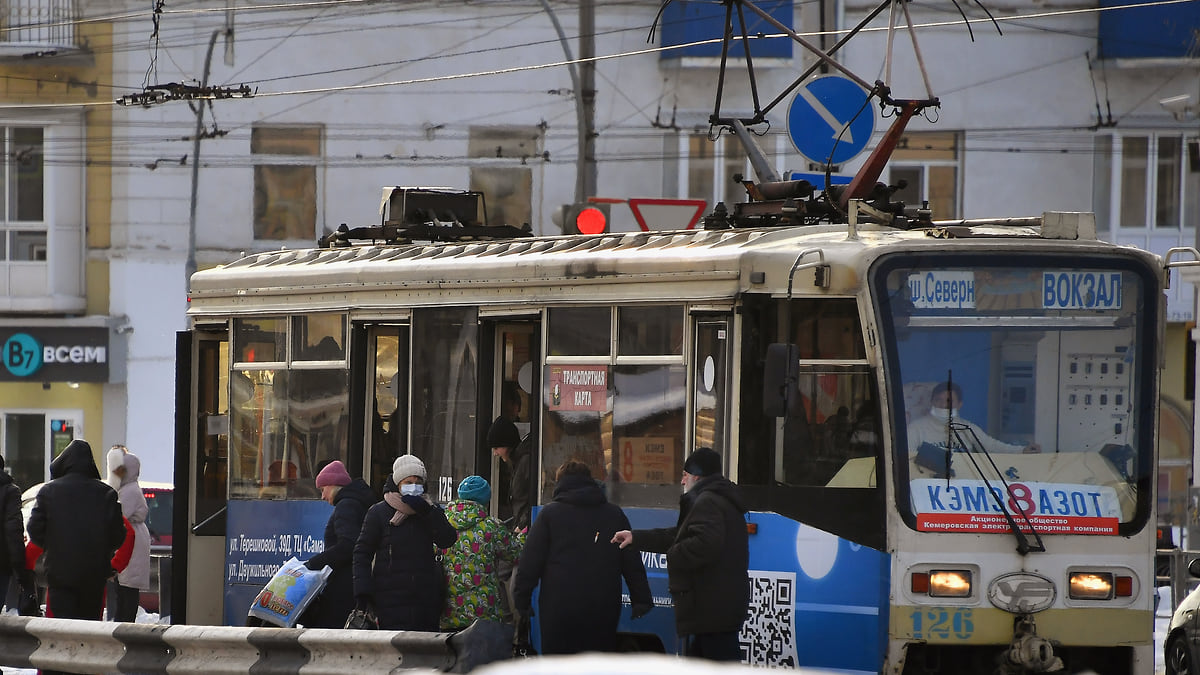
933	427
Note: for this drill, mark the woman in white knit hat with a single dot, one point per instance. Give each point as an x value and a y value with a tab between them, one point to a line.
396	572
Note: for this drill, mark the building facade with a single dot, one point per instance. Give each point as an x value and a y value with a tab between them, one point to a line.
1048	107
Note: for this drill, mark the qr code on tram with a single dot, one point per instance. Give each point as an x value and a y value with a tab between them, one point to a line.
768	636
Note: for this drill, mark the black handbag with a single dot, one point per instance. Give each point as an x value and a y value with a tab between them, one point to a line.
362	619
522	647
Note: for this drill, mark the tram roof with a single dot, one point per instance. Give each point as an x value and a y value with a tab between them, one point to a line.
686	265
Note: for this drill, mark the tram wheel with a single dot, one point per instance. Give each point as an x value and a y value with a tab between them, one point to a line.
1179	659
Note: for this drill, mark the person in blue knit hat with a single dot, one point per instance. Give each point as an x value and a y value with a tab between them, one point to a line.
471	564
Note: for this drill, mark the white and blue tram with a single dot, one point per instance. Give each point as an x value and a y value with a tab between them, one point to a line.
808	356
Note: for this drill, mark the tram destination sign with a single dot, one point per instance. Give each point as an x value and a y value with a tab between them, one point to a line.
54	354
1067	290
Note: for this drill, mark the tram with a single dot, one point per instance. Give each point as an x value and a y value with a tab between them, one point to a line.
812	357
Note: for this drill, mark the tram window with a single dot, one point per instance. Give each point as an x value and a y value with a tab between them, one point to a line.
282	425
580	331
389	432
650	331
260	340
319	416
827	329
578	421
575	435
445	369
831	435
648	426
709	396
319	337
258	412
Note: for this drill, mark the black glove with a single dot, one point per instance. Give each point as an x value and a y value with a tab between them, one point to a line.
416	503
640	609
309	564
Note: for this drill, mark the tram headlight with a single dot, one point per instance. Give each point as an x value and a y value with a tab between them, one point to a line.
1091	586
943	583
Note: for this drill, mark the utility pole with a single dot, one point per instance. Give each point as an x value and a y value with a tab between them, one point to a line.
190	267
581	124
585	185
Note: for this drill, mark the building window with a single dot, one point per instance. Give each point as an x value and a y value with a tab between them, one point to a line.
928	165
1158	185
507	190
285	181
712	165
700	167
22	200
1147	194
41	215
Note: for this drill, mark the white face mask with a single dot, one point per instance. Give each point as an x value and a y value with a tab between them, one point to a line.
942	413
412	489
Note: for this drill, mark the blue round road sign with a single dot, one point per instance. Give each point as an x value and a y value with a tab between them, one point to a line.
822	122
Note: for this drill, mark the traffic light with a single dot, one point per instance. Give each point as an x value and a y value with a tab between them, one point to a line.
585	218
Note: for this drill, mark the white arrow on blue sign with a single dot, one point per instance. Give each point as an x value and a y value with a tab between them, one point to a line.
827	120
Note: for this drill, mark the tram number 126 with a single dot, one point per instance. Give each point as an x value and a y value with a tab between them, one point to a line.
942	623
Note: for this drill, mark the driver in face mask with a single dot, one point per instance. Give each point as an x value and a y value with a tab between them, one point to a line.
945	402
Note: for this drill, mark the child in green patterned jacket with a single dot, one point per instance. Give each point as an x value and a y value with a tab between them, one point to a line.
472	584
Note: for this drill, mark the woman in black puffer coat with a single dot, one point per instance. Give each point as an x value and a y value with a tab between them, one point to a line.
351	497
396	570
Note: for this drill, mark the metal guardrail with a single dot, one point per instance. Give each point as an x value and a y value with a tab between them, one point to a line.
1177	576
76	646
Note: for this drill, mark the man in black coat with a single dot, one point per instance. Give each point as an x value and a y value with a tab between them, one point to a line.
707	559
506	443
569	551
77	521
351	497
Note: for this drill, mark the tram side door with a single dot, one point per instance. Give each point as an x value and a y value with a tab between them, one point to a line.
202	476
515	382
387	407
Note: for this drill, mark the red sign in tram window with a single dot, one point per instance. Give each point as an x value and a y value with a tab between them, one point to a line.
578	388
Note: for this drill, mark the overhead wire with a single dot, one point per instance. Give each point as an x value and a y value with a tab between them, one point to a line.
616	123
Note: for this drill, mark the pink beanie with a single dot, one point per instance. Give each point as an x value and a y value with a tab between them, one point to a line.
334	473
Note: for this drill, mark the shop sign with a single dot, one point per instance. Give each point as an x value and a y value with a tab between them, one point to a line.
58	354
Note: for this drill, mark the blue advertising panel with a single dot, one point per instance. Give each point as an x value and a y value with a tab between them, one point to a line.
814	589
816	600
830	120
260	537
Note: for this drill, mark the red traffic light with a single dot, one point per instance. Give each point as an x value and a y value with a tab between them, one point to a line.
590	220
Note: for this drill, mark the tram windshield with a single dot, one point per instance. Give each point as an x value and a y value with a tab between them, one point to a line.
1022	392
